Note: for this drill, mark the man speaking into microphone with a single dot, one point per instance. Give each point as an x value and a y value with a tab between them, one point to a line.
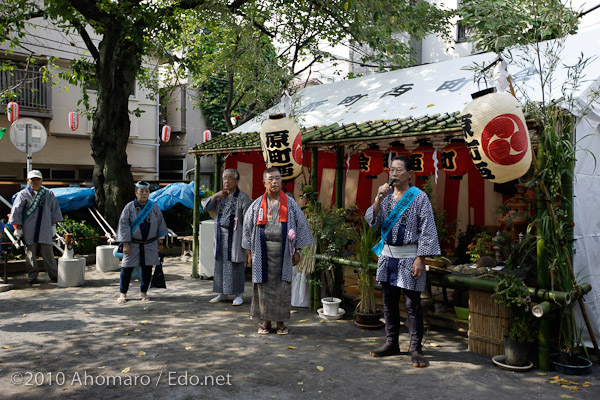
404	215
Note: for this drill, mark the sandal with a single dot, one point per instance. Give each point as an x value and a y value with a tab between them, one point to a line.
282	330
145	298
122	300
262	330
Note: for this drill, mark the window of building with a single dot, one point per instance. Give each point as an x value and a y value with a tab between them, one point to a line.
61	174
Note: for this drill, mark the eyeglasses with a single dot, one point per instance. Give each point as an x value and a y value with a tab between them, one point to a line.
227	178
397	169
273	178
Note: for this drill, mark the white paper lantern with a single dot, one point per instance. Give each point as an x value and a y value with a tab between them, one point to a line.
73	120
207	135
496	134
12	111
281	143
165	134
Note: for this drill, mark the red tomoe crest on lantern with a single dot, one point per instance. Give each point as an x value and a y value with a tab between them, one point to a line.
73	120
165	134
396	149
12	111
207	135
455	158
370	162
422	159
496	134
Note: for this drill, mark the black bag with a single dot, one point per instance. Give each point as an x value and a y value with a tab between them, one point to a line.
158	277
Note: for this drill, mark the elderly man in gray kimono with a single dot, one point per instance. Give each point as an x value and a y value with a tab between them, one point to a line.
408	234
142	230
35	213
274	232
230	205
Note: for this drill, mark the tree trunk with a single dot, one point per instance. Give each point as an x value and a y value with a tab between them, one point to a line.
116	69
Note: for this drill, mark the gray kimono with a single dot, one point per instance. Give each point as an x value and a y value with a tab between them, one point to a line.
252	239
234	206
149	231
38	227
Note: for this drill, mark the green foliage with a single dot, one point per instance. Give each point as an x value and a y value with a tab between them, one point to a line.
481	246
497	24
512	292
86	236
364	239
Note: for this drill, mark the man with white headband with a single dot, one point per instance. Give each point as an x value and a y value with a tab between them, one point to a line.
142	230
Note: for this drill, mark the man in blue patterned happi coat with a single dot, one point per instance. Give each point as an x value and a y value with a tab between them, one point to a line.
405	216
35	213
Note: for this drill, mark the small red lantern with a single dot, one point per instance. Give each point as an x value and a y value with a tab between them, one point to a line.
396	149
455	158
12	111
166	133
422	159
73	120
370	162
207	135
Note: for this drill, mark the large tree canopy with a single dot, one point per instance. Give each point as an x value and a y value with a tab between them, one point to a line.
240	33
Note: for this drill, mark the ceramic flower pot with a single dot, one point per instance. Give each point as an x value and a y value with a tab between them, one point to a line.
331	306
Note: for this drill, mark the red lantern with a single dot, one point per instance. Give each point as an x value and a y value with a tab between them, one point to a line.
207	135
396	149
370	162
73	120
422	159
455	158
166	133
12	111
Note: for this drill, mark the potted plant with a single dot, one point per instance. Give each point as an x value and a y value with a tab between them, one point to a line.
511	292
331	236
366	313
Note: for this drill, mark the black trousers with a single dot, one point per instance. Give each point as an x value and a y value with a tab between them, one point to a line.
391	312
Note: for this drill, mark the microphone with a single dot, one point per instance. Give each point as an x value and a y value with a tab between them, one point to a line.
390	184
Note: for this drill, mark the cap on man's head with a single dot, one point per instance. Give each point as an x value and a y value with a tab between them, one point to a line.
34	173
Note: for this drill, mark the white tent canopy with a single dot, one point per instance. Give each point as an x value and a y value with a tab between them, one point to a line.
446	87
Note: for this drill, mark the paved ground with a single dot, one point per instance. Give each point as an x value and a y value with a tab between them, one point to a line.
72	343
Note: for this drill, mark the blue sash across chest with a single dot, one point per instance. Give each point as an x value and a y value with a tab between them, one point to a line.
394	216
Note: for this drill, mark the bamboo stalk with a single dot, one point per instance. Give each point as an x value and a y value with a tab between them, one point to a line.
569	263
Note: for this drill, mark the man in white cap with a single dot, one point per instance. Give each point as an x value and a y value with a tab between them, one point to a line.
35	213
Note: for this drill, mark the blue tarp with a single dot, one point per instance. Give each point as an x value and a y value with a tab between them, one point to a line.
174	193
72	198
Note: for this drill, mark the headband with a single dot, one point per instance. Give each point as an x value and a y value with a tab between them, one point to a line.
142	184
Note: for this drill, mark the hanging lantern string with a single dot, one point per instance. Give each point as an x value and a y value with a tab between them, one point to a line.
487	67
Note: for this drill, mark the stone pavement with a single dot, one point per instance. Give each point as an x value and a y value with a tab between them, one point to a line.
74	343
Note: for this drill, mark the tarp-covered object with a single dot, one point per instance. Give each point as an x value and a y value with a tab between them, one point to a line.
72	198
174	193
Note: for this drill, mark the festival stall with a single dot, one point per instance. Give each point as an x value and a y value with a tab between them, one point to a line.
351	129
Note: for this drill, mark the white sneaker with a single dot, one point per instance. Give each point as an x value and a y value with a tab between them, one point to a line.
219	298
238	301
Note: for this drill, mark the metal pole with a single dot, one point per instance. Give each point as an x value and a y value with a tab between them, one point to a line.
28	145
196	217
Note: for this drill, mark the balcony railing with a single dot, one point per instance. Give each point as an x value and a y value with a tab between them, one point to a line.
33	94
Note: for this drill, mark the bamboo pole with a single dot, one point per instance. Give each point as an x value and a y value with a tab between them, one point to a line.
196	216
471	283
569	263
542	278
338	272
